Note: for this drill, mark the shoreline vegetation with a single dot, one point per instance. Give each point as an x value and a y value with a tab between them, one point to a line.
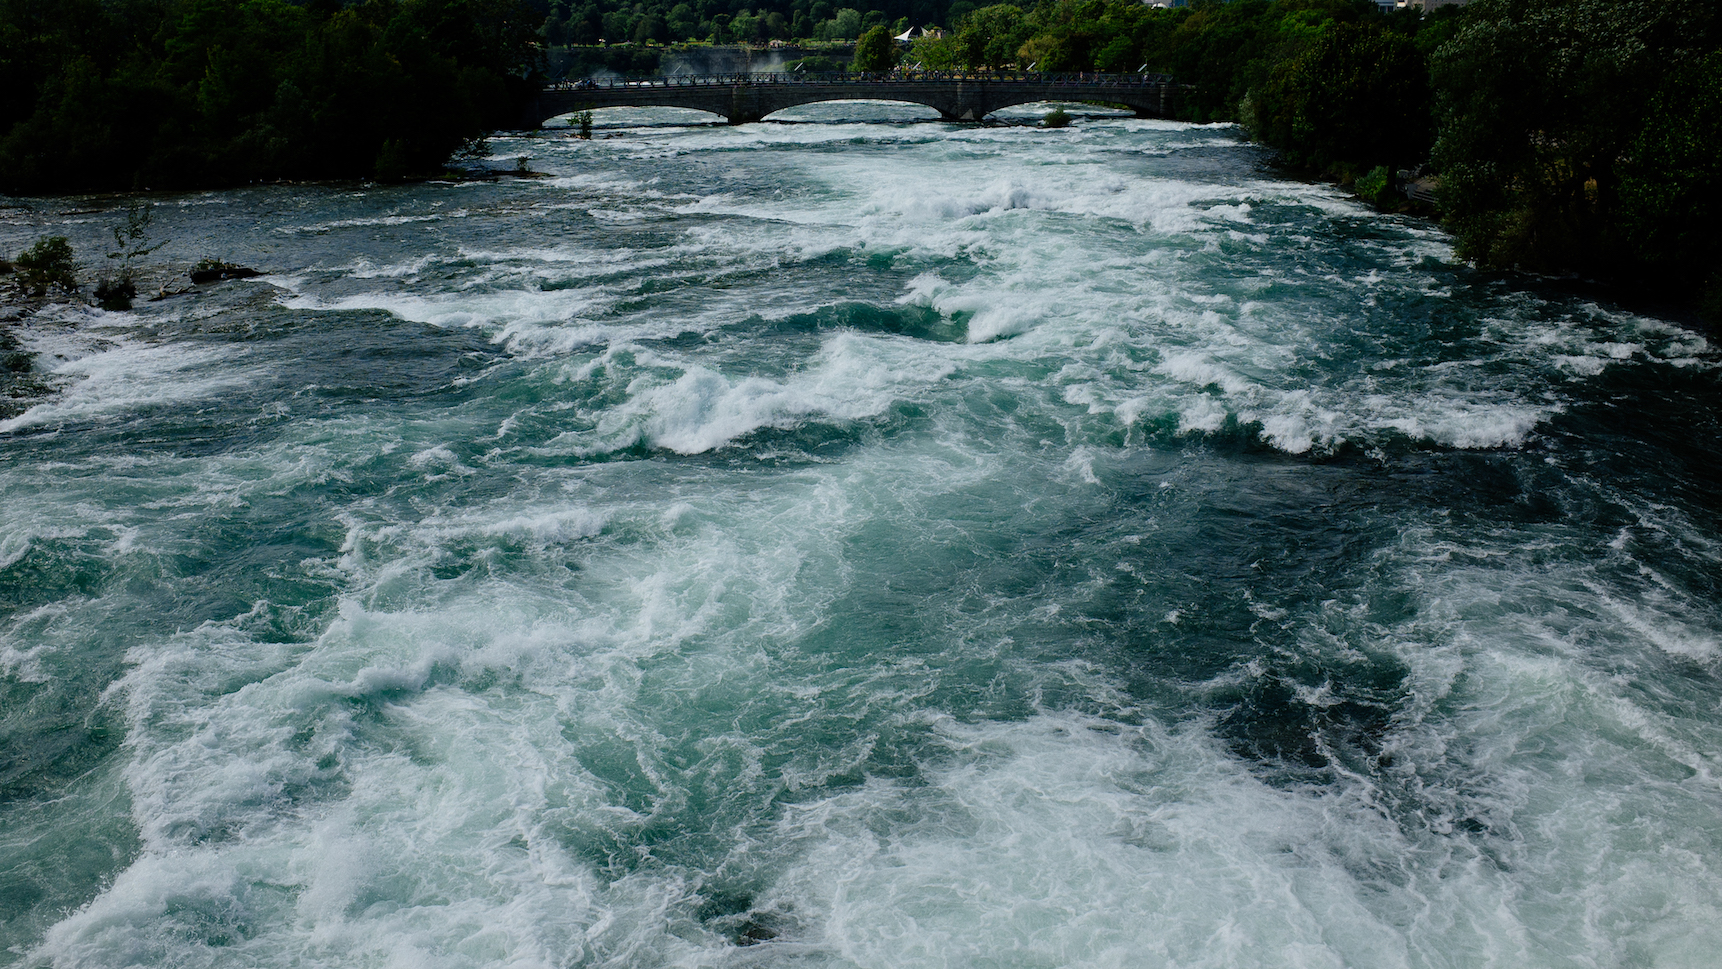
1570	138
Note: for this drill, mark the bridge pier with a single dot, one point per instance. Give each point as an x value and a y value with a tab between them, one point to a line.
744	106
742	99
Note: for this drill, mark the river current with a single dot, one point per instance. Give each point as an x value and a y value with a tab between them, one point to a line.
853	542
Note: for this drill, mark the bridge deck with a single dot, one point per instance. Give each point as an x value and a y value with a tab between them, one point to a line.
956	96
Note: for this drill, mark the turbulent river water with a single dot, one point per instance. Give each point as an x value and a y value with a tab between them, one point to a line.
854	543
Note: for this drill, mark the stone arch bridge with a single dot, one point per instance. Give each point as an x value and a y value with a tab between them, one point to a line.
741	98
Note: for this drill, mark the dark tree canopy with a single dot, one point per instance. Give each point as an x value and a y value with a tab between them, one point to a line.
1582	135
167	93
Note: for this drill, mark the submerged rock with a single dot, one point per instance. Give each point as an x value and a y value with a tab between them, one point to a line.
209	271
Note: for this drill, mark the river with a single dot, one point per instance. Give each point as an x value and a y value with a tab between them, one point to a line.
854	543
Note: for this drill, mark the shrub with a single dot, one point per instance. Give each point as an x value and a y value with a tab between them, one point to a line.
115	294
1056	118
1377	186
131	243
47	264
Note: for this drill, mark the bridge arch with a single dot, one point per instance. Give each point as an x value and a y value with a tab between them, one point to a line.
899	104
695	115
743	98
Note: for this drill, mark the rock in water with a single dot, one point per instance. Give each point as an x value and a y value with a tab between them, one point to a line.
209	271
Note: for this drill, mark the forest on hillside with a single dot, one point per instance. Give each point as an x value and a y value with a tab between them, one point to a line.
1566	136
159	94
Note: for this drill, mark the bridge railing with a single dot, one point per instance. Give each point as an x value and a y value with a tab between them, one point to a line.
871	79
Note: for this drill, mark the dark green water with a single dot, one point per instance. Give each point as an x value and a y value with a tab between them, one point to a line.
861	544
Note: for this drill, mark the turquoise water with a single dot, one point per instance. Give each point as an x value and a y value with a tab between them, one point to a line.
854	543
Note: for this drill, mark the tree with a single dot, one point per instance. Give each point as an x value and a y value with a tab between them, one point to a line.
875	51
683	22
846	25
1540	103
1213	49
1356	95
650	29
102	94
938	53
1669	203
991	36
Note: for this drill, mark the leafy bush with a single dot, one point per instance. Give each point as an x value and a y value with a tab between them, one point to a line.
1377	186
1056	118
115	294
48	264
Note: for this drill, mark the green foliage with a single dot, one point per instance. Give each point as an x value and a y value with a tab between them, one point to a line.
816	65
992	36
938	53
1376	186
845	26
579	62
117	95
394	161
115	294
131	243
1671	184
1056	118
49	264
583	124
1354	93
131	237
875	51
1580	136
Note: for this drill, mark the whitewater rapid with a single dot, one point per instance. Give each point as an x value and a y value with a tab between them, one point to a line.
849	541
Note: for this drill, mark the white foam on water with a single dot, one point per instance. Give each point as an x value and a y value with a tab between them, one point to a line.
344	799
968	207
1077	841
123	376
360	222
479	311
365	797
363	268
957	197
559	708
690	409
1521	707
